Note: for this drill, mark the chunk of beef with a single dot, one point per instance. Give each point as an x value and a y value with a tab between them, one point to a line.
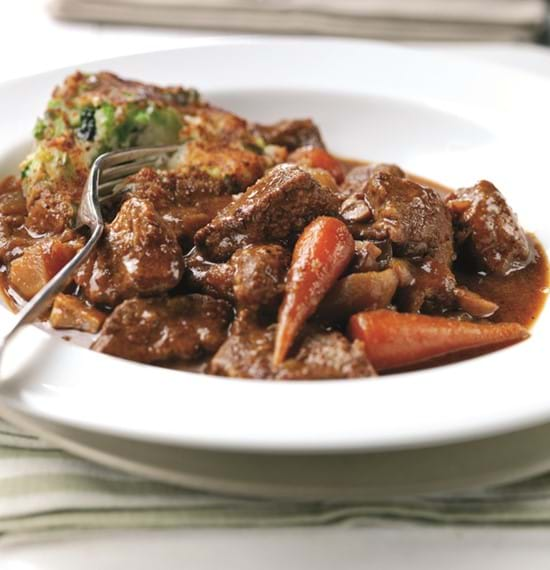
357	212
274	210
201	276
292	134
165	328
248	353
416	221
432	289
136	255
489	229
259	275
326	355
413	217
357	178
13	206
253	278
185	200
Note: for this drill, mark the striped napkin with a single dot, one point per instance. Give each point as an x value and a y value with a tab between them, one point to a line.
43	490
498	20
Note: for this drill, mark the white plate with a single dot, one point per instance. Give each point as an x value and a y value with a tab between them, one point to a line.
439	116
353	475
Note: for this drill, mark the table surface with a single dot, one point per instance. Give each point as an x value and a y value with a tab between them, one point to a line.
31	42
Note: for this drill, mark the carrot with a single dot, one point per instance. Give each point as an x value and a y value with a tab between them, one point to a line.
315	157
395	340
321	254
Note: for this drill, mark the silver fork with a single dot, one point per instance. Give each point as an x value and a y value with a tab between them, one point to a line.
102	185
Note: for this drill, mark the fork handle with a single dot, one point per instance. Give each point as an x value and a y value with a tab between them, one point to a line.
43	299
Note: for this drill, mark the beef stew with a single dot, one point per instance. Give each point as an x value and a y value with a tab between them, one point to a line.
254	252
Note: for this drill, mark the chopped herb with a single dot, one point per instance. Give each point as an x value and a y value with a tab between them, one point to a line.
87	128
25	170
39	128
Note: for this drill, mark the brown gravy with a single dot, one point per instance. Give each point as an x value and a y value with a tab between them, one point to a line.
520	295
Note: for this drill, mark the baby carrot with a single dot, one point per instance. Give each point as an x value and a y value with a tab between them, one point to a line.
396	340
321	254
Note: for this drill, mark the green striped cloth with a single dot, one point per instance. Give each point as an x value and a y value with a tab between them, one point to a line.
43	489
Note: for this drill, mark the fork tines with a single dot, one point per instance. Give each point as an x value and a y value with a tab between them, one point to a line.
116	166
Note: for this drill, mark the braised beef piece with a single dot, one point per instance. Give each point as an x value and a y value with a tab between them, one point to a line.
416	221
382	206
185	201
259	276
13	206
137	254
355	207
432	290
413	217
253	278
292	134
326	355
201	276
274	210
165	328
489	229
357	178
248	353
